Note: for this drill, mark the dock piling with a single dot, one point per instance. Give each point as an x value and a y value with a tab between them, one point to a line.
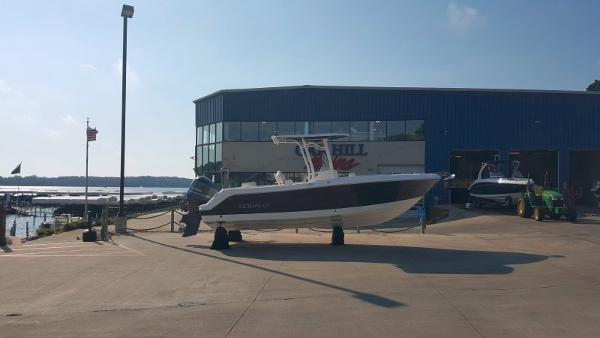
2	225
173	220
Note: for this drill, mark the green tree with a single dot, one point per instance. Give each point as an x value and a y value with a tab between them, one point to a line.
594	87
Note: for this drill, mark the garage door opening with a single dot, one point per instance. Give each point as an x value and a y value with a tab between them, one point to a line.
584	172
465	164
539	165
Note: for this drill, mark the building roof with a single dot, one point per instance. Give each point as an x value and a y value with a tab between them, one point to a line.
492	90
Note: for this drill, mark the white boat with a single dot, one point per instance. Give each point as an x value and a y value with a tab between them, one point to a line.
492	187
325	200
596	191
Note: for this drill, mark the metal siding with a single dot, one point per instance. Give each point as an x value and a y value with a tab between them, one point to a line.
474	119
209	110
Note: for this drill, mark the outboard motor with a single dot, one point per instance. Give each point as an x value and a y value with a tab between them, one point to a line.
200	191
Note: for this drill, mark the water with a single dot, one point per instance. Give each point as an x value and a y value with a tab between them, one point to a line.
22	221
112	190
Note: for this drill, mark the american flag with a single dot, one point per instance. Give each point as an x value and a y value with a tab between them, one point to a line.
91	134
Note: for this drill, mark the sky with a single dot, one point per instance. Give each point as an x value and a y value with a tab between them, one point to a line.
60	63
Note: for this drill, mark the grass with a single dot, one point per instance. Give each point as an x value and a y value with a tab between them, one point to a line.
47	231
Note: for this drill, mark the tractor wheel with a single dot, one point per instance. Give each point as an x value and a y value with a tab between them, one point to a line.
521	208
572	215
555	215
538	214
524	208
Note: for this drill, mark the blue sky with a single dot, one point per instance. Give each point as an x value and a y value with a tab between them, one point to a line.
60	61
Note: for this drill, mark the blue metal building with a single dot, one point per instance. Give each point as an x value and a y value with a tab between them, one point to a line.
504	121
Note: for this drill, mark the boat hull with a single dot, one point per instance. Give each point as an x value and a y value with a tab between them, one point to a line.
348	202
500	191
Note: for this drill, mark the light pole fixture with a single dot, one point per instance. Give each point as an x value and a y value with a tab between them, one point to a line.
126	13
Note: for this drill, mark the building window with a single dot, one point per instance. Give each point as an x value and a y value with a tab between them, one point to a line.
414	130
322	127
249	131
204	158
395	130
359	131
219	132
267	129
219	155
211	133
205	135
303	128
211	157
198	135
231	131
340	127
199	157
285	128
377	131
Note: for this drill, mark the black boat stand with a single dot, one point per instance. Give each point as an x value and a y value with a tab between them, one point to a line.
337	235
221	241
235	235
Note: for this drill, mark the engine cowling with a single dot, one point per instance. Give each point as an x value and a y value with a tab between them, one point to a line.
200	191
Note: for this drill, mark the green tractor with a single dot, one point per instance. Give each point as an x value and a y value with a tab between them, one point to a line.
538	203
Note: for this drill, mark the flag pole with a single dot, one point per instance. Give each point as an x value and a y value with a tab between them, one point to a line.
87	146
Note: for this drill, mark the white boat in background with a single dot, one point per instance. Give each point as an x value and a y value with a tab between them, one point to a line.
596	191
325	200
492	187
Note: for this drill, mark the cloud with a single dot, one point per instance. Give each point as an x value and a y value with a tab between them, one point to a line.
463	18
68	119
15	105
88	67
53	133
132	75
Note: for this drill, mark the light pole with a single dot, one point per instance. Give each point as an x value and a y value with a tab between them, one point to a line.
121	226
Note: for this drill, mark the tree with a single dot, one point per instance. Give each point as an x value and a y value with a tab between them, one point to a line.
594	87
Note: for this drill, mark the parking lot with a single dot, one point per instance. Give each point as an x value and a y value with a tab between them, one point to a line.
477	274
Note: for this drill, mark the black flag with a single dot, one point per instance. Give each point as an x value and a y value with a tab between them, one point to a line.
17	170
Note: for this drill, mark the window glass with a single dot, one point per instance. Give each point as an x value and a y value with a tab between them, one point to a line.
199	135
204	157
219	152
199	158
395	131
218	156
267	129
249	131
211	153
322	127
231	131
211	133
359	130
414	130
285	128
340	127
219	132
302	128
376	130
205	136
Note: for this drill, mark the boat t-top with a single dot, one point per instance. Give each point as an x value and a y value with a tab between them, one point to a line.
325	200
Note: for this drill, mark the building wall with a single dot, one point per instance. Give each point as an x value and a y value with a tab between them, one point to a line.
267	157
455	119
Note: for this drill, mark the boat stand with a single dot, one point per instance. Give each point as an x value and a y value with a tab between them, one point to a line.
235	236
337	235
221	241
